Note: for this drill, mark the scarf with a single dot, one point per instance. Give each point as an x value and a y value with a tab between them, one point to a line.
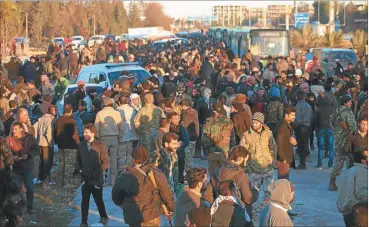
233	199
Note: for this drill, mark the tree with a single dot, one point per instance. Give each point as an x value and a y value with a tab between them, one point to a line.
134	15
155	16
333	39
324	11
305	39
359	41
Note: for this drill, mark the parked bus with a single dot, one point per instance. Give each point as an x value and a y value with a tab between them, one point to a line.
274	42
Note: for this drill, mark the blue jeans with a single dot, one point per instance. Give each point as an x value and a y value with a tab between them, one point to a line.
326	134
27	179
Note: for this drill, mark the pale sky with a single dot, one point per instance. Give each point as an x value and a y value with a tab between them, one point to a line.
180	9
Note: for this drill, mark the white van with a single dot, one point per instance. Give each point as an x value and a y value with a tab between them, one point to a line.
98	39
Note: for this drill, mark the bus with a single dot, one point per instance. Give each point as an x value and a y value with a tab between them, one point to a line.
265	42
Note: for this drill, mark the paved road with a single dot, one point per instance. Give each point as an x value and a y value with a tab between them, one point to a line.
314	204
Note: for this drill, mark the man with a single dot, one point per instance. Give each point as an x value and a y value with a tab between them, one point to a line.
145	127
345	124
302	122
275	214
24	148
227	210
259	141
44	129
67	139
23	118
285	144
91	162
353	188
218	137
126	141
198	217
168	162
157	137
182	134
269	73
357	140
233	169
191	197
324	119
136	194
190	121
109	128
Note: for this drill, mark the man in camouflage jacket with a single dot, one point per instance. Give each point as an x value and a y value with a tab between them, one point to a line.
147	121
218	137
346	123
259	141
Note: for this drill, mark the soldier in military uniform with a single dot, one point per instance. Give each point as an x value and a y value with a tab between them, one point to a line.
218	137
147	121
168	160
259	141
345	124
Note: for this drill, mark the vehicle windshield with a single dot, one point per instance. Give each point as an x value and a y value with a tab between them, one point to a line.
275	46
95	38
98	89
58	40
19	40
347	56
139	75
77	38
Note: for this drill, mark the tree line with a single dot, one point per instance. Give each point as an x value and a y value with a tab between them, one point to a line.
67	18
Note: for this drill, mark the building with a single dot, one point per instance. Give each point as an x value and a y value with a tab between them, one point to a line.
277	11
229	15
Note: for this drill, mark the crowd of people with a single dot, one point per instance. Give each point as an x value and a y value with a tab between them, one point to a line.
242	116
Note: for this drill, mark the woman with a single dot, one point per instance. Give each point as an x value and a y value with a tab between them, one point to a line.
135	102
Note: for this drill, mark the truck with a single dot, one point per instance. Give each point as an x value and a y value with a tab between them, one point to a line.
142	33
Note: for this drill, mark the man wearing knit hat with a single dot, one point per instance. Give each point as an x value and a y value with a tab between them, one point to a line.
259	141
147	121
135	193
218	137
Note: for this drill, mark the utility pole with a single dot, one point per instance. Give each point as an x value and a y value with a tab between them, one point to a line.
27	25
94	25
318	11
331	16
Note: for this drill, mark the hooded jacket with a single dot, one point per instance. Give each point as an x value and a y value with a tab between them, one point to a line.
186	201
326	114
262	148
275	213
241	120
190	121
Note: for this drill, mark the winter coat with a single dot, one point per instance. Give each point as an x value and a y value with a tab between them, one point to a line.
92	162
326	114
19	147
44	129
157	142
275	213
269	75
148	118
218	135
187	201
333	103
137	196
353	188
274	111
190	121
356	142
262	148
109	122
304	114
229	214
60	85
284	147
340	134
241	122
128	115
66	132
206	70
183	137
204	109
230	171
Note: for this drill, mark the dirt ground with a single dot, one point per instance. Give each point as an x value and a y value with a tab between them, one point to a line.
53	206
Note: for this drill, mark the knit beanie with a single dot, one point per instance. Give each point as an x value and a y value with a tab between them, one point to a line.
140	154
275	92
200	216
258	117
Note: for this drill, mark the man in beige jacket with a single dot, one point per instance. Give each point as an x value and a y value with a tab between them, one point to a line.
109	128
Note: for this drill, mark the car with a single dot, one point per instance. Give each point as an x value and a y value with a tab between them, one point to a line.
59	41
98	39
78	40
105	74
124	36
329	57
70	89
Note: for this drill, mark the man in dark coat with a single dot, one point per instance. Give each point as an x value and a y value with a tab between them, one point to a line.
91	162
285	144
206	70
30	71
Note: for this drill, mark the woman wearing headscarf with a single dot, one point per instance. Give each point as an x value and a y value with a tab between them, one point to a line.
46	88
